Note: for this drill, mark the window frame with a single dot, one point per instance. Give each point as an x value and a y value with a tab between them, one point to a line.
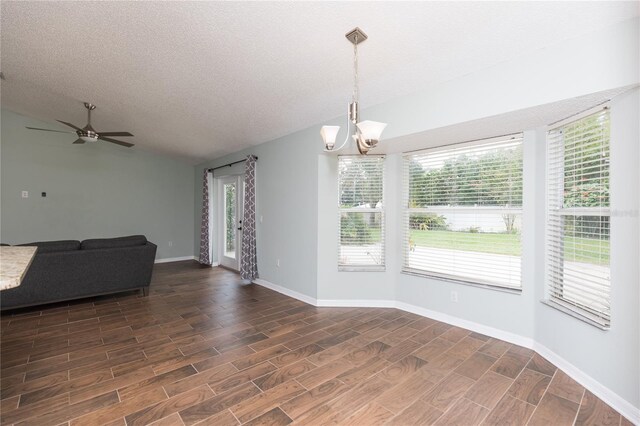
407	211
572	308
362	267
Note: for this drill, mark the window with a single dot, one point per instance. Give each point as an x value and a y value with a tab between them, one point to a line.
578	218
463	212
361	212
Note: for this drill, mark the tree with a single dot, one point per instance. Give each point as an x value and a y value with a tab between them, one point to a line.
586	174
586	164
493	178
360	182
230	213
509	222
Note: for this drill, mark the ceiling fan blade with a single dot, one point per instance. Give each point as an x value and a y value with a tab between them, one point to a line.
114	133
127	144
78	141
69	124
48	130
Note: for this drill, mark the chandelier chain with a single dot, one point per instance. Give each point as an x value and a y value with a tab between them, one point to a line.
355	71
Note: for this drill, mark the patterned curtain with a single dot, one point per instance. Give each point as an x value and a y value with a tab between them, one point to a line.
204	224
249	260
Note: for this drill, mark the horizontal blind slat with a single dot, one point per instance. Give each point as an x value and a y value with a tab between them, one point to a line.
361	211
577	240
463	211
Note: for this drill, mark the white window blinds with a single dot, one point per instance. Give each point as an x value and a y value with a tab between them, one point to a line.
361	209
463	212
578	217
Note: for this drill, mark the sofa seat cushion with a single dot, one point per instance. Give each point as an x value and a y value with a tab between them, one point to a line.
55	246
107	243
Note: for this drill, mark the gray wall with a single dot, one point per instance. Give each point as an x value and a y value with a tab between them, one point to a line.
513	313
297	194
287	200
93	190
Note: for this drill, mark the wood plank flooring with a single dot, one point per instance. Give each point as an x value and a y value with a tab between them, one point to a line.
205	349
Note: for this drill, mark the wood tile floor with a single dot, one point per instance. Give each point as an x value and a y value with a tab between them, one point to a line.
205	349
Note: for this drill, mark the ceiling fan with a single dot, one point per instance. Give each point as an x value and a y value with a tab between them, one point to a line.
87	133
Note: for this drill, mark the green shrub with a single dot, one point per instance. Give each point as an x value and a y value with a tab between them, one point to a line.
354	230
429	221
586	195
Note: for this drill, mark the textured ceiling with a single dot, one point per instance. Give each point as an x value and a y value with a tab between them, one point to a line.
202	79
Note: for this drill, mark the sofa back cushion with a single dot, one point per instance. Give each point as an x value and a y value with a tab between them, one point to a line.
54	246
119	242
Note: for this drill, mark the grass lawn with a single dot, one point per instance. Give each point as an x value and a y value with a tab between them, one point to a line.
577	249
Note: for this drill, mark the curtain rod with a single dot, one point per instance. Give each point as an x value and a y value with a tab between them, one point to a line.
229	164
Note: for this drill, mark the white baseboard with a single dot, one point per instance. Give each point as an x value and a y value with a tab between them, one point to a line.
496	333
287	292
598	389
180	259
175	259
357	303
382	303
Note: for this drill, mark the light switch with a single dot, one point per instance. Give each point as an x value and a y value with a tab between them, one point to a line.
25	194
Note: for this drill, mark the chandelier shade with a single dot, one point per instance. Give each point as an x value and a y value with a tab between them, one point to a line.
329	134
371	130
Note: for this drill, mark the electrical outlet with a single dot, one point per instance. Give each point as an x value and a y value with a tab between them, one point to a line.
170	243
25	194
454	296
278	263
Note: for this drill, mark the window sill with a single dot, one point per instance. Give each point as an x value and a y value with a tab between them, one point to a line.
576	313
494	287
344	268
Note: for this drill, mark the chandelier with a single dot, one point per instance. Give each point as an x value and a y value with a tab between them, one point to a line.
366	133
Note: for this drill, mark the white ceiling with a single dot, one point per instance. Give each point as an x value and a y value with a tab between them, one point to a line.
539	116
202	79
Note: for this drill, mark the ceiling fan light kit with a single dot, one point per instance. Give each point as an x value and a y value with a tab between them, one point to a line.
367	133
88	133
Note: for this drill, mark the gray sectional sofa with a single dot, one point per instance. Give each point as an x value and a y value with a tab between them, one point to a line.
66	270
